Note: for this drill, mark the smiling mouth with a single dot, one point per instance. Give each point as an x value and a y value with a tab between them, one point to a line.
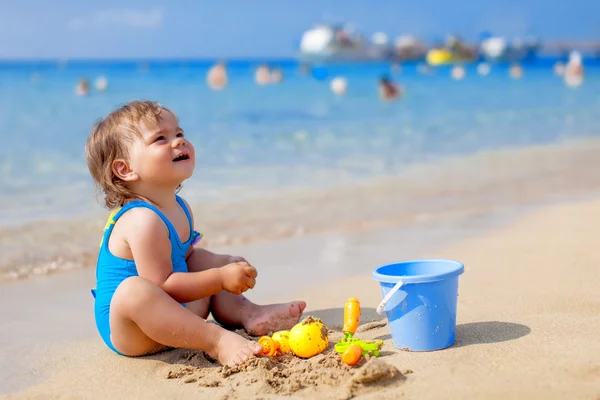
181	157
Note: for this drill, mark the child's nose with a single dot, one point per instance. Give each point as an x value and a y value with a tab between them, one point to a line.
178	142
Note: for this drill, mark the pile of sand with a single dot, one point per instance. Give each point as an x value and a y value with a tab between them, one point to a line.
287	374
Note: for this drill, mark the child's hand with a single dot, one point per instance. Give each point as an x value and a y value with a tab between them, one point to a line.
237	277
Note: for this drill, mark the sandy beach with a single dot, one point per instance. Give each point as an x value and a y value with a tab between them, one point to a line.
528	319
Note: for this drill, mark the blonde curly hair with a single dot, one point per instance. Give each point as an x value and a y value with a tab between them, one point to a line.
110	139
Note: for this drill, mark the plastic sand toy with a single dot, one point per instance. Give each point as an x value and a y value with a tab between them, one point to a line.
308	338
278	343
348	346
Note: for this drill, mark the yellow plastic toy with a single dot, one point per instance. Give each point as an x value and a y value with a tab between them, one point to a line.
308	338
283	338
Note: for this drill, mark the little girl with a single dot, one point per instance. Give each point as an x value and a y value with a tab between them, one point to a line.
154	290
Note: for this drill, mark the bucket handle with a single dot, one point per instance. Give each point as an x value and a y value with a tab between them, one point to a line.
388	296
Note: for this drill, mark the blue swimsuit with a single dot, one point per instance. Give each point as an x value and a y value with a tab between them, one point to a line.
112	270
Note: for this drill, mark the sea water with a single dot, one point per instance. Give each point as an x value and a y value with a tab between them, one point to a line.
253	139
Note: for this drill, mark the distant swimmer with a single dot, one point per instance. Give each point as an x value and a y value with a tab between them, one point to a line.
216	78
458	72
388	90
516	71
574	72
83	87
101	83
339	85
262	75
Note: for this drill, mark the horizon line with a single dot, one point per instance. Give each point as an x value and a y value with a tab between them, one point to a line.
150	58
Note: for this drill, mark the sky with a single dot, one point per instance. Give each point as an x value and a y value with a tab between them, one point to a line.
51	29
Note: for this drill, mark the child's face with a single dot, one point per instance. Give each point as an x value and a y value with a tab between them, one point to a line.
162	156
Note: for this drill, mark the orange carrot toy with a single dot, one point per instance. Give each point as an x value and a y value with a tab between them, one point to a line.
352	354
351	316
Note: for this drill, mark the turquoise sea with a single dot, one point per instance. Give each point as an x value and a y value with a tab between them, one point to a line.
252	139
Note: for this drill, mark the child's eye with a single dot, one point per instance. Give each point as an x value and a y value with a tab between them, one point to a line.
180	134
158	138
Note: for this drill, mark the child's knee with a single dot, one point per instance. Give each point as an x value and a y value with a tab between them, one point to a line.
135	292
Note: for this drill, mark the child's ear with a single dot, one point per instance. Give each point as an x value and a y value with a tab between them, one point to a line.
123	171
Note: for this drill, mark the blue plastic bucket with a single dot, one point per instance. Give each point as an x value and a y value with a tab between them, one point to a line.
422	312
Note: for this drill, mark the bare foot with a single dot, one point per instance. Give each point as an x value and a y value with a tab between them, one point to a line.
233	349
274	317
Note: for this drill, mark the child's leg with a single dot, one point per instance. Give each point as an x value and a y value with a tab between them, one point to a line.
200	307
237	310
143	317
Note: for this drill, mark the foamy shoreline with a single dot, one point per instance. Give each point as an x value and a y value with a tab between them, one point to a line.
450	189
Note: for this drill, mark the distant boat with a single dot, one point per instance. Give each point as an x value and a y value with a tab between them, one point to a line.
327	42
338	43
454	51
408	48
498	49
436	57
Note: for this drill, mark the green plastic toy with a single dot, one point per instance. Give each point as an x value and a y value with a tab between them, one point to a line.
371	347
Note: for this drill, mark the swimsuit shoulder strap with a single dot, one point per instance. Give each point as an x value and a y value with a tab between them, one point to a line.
116	214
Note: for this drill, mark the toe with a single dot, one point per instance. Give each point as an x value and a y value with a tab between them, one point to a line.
297	308
301	306
256	349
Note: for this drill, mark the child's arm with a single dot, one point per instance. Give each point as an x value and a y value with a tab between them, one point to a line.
148	239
